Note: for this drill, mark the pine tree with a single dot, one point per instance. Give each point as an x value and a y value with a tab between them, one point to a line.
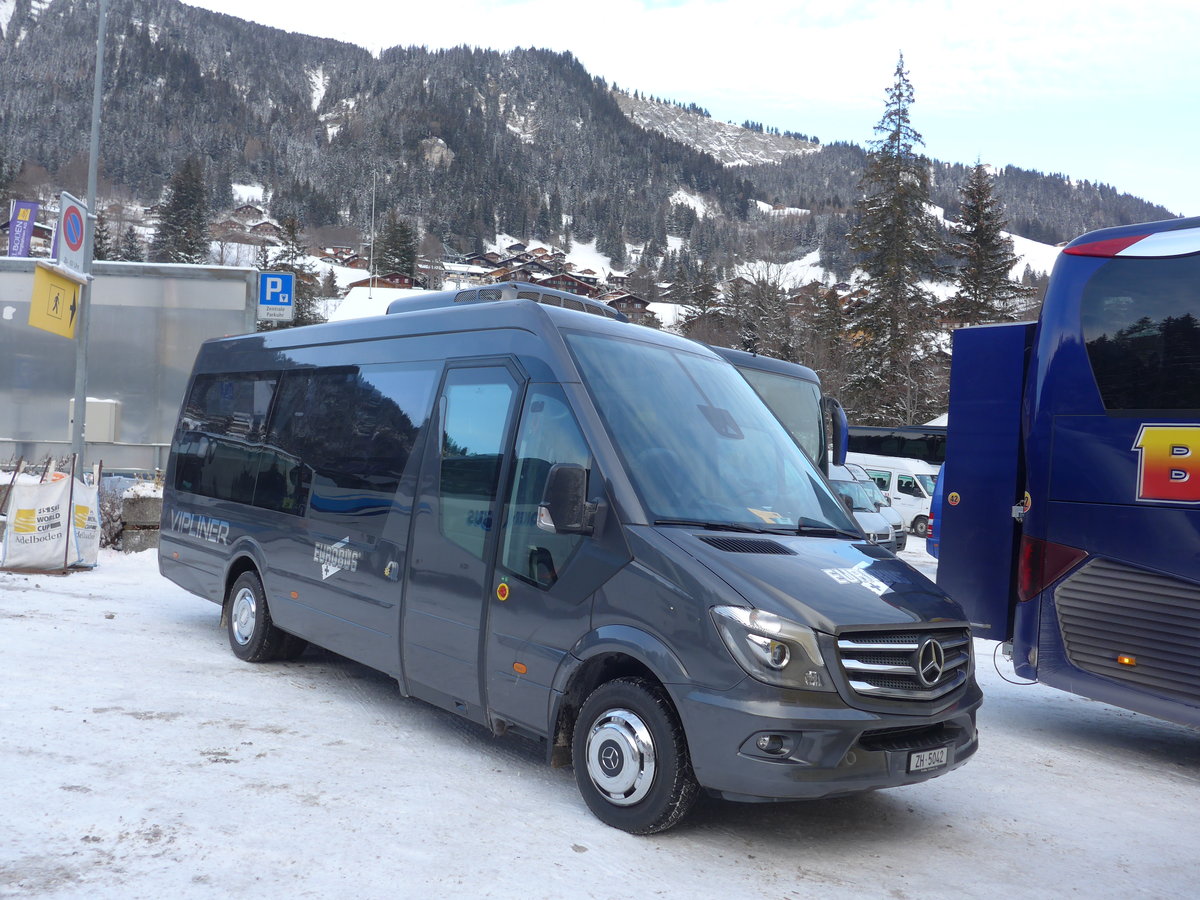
102	244
397	247
896	369
986	292
182	233
131	248
292	257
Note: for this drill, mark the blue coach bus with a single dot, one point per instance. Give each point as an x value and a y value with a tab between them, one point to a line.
1071	518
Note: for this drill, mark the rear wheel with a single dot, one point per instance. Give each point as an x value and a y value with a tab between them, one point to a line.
252	635
920	526
631	758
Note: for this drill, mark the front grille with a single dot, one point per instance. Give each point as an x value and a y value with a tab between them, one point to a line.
906	665
1107	610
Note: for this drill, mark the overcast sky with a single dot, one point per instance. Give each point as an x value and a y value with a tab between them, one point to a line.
1104	90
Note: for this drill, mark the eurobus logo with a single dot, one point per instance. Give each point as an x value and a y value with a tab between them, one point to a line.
1169	467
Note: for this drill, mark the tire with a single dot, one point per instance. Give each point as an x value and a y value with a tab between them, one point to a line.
920	526
631	758
253	637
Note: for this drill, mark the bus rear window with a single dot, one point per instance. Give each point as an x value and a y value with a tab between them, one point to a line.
1141	326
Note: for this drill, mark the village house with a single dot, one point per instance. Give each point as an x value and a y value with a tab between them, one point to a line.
390	280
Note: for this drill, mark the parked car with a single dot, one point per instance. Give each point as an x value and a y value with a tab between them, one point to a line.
907	483
933	542
882	503
862	506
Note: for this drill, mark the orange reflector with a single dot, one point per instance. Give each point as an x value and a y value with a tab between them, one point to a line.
174	556
295	595
520	668
1127	660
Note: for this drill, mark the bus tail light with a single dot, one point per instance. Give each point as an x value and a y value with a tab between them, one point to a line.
1043	563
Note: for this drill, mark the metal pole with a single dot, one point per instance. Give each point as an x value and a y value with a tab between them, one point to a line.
79	423
371	258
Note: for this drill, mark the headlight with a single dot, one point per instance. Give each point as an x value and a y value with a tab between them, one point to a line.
773	649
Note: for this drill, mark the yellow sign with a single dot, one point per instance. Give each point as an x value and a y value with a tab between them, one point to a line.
55	305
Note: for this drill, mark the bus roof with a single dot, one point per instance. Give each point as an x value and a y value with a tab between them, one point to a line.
766	363
1173	237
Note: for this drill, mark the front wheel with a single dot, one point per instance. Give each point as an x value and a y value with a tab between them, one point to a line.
631	758
253	637
920	526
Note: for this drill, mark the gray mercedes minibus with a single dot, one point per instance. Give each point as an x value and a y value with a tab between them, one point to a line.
556	523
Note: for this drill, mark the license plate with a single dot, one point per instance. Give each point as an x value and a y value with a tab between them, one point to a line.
924	760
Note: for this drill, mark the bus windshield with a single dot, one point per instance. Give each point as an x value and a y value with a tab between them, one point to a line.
698	443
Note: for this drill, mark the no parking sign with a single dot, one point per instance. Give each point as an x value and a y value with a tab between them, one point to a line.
72	233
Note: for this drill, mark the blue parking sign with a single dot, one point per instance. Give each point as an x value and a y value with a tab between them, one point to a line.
276	293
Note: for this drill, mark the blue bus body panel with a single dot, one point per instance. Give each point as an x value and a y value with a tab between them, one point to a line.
1083	468
982	477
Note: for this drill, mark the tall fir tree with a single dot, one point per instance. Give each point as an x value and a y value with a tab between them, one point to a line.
985	291
182	233
292	257
102	242
897	371
130	248
397	247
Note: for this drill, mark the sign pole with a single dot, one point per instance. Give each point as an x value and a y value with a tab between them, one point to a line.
78	423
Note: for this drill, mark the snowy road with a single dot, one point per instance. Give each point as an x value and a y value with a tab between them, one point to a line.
140	759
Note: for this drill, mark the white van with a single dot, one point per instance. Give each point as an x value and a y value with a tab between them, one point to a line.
907	483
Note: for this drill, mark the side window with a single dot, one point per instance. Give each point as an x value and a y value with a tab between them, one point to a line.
880	478
344	437
217	445
476	405
548	435
906	484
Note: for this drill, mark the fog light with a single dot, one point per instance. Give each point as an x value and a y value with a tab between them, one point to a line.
770	743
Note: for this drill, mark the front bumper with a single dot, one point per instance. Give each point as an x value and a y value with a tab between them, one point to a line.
828	748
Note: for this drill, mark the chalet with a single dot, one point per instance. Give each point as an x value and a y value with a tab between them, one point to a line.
267	228
521	271
227	226
390	280
513	249
565	282
618	279
356	262
248	213
636	309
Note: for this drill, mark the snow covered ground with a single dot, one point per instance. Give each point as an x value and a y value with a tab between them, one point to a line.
140	759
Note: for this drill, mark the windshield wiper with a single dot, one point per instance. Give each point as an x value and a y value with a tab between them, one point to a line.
720	526
813	528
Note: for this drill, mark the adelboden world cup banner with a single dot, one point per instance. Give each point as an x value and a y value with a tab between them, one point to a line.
21	219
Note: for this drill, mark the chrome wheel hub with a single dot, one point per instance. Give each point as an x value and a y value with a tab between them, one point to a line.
243	614
620	757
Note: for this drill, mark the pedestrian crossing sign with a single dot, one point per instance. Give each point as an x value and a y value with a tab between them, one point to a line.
55	303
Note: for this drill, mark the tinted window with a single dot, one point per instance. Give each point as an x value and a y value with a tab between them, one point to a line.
217	443
1141	324
347	434
477	403
548	435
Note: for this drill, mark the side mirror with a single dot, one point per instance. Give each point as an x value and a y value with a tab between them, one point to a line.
564	508
841	430
847	502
